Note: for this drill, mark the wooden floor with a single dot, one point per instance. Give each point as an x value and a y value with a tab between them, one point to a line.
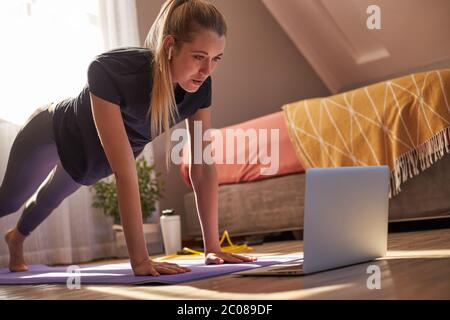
417	266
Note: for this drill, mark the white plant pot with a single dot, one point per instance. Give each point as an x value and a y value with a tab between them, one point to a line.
171	232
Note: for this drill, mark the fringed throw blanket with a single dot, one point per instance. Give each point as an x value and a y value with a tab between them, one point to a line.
403	123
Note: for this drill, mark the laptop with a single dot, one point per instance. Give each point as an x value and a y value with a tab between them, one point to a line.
345	220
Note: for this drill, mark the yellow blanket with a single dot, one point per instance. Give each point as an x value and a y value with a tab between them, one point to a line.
403	123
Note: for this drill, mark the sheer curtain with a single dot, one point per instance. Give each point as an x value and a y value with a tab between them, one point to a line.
46	47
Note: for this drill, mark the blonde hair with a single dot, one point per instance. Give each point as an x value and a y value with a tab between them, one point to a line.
181	19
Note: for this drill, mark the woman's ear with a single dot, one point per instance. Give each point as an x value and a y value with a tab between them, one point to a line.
169	42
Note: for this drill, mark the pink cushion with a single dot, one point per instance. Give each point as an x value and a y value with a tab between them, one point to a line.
235	173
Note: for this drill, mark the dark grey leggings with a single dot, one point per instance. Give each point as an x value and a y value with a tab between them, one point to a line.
33	159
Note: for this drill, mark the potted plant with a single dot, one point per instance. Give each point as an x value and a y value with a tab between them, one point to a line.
151	189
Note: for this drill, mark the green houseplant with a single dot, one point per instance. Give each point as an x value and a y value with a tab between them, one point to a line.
151	189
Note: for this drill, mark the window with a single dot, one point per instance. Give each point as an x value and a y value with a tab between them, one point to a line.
46	46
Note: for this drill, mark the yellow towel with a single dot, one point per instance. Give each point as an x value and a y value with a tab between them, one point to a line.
231	247
403	123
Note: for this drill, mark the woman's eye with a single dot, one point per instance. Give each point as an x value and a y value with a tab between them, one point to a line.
198	57
217	59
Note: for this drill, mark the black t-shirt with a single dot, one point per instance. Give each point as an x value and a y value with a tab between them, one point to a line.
122	76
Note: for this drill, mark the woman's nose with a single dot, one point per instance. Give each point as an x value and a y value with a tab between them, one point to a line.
206	67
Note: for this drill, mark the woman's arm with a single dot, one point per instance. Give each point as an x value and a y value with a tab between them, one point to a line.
113	137
204	182
112	134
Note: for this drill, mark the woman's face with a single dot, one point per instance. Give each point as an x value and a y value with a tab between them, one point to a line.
196	60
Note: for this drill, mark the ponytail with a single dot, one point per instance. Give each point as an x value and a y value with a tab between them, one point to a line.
181	19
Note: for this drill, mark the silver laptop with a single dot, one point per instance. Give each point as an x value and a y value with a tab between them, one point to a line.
345	220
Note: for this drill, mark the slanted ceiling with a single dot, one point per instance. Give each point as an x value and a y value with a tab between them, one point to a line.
334	38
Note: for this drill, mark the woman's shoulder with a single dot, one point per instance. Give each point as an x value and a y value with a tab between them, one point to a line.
125	59
126	51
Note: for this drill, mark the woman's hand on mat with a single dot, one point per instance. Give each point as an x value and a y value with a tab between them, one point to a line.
152	268
227	257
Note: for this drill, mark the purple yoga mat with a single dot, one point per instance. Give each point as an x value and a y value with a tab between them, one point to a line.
121	273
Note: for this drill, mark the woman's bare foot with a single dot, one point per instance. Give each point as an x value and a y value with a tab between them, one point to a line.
15	240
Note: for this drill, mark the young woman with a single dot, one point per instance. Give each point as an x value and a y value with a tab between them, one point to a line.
132	95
